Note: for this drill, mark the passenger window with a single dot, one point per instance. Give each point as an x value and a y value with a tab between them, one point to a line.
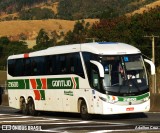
11	67
78	65
62	64
18	67
34	67
27	67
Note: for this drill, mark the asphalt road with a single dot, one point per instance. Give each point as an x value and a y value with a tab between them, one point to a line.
11	121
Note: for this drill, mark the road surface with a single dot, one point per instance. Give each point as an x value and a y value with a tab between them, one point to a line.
11	121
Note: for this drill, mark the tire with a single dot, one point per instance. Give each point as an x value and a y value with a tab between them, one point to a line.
84	111
31	107
23	107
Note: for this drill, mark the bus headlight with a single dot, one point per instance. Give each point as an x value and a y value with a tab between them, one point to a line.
112	99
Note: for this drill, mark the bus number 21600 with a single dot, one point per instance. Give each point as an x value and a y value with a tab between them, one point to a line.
12	84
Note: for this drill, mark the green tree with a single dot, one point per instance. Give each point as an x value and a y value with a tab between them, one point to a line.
4	41
36	14
42	37
79	33
12	47
43	41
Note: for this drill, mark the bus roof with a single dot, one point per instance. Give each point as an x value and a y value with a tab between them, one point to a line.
103	48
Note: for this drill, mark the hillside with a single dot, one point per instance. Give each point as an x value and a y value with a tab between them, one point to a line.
145	8
31	12
67	9
70	9
15	28
10	6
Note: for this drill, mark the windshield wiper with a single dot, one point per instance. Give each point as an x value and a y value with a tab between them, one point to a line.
132	82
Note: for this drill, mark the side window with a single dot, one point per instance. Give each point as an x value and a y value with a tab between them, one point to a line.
49	69
38	65
61	64
34	66
71	64
78	65
27	67
75	64
47	65
87	58
11	67
19	67
54	64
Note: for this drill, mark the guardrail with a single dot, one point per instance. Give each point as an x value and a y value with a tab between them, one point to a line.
155	103
3	94
4	87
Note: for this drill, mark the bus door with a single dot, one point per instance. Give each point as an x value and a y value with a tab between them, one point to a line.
95	84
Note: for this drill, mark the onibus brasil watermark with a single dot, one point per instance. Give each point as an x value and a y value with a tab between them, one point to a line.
22	127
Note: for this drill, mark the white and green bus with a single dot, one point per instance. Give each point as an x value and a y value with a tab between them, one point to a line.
90	78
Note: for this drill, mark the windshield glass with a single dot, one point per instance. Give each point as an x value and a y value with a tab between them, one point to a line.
124	74
134	67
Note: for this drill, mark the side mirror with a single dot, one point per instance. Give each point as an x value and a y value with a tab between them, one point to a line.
100	67
152	66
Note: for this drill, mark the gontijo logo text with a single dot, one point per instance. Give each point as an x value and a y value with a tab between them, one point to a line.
70	83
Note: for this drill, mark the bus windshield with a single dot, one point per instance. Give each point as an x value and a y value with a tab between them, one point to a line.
124	75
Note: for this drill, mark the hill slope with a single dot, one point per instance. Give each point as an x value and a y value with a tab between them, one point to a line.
145	8
31	28
71	9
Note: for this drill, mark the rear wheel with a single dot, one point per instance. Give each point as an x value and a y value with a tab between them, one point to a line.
31	107
23	106
84	111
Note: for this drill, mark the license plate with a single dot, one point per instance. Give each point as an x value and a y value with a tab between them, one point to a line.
130	109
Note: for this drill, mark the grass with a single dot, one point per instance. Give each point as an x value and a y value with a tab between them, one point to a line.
32	27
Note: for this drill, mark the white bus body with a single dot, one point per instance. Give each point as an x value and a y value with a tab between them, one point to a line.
91	78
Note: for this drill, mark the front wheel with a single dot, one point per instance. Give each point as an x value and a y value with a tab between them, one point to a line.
84	111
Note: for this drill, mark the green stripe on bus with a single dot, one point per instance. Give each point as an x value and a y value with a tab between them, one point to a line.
136	98
52	83
39	84
27	83
42	92
77	81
